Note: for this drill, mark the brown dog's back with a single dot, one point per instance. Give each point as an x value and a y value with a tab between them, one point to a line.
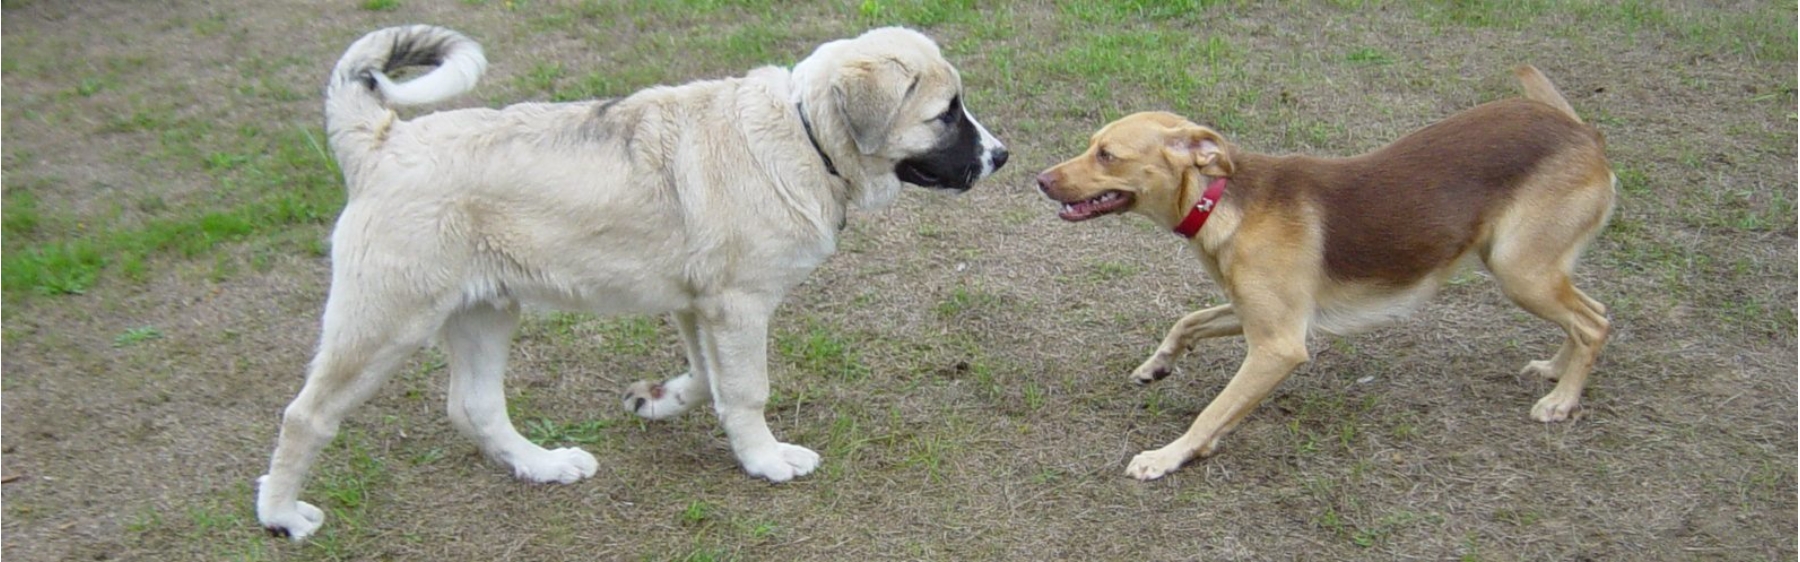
1395	215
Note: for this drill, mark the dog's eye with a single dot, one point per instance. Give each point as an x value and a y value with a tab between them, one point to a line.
949	113
1104	156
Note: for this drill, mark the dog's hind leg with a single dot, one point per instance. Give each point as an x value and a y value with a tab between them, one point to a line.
359	348
1218	321
1546	291
1533	261
476	340
666	399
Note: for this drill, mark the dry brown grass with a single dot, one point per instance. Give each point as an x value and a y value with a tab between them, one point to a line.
962	364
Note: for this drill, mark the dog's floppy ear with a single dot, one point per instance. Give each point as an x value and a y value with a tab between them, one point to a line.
868	93
1205	146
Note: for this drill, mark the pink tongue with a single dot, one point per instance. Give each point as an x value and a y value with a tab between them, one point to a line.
1078	210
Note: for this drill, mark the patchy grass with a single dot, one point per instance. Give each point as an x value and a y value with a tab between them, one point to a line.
823	351
290	170
136	336
961	364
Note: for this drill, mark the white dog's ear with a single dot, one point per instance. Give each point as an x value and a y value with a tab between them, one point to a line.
868	93
1205	146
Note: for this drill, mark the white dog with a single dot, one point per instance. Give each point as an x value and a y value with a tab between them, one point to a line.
709	200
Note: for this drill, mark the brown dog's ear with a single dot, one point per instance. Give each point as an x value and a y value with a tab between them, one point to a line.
868	93
1206	147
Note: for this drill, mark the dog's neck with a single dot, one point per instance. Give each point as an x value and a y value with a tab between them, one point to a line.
1247	183
858	185
814	139
1201	208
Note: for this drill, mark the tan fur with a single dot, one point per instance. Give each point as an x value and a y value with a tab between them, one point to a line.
1302	244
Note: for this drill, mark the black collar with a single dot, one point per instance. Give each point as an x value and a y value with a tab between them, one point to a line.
804	122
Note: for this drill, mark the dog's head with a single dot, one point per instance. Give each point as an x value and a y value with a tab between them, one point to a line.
889	102
1141	164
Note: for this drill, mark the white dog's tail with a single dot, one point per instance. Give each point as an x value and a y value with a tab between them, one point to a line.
359	93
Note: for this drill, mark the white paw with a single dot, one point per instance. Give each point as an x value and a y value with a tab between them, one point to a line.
562	466
296	523
1154	369
782	463
1554	408
1151	465
1540	369
652	400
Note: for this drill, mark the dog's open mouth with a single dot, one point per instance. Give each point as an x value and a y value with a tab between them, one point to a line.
1107	202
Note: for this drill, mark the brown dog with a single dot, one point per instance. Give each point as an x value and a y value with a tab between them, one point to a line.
1302	244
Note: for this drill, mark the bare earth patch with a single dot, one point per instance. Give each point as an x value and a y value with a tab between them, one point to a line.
962	364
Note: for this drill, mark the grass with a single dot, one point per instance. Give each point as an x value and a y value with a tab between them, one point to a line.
551	434
960	363
823	351
136	336
968	302
922	13
49	253
1369	55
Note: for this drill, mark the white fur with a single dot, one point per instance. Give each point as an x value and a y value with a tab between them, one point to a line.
706	201
458	74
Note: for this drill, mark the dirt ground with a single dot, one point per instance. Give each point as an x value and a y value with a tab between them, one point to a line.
962	363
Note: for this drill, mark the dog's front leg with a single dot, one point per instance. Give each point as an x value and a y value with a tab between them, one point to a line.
1218	321
1274	353
734	336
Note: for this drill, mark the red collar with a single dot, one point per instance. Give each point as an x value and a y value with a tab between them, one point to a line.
1203	208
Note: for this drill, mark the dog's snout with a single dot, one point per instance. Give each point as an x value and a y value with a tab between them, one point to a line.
1046	181
999	157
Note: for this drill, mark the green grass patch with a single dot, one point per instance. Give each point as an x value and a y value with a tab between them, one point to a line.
822	350
57	268
1511	14
920	13
1106	271
1128	11
550	433
1369	56
631	335
300	187
1173	65
966	300
136	336
608	83
697	512
21	217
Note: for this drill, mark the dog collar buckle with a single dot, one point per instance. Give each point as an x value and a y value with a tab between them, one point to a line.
1196	217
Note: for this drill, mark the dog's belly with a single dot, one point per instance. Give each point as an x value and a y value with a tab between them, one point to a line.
604	297
1346	310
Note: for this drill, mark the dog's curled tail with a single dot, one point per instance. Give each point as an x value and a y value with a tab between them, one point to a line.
1539	89
359	93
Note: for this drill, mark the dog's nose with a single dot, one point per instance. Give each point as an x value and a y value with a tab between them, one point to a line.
1000	155
1045	182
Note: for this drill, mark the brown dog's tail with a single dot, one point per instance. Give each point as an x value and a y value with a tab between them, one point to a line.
1539	89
